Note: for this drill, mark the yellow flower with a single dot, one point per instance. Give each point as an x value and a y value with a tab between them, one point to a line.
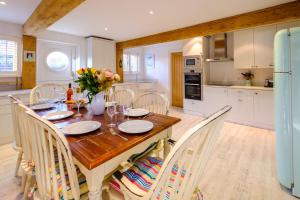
80	71
93	70
86	70
117	77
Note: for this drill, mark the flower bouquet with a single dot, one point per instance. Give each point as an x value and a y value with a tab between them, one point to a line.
96	82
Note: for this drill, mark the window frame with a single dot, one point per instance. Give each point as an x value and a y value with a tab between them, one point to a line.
18	71
129	54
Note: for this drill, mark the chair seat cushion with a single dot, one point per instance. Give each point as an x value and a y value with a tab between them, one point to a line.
140	177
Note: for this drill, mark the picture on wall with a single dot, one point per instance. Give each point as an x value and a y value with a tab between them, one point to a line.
149	61
29	56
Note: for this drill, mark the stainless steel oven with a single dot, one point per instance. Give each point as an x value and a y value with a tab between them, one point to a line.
193	85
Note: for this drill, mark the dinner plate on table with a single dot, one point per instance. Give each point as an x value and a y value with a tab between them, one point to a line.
136	112
81	127
58	115
43	106
135	126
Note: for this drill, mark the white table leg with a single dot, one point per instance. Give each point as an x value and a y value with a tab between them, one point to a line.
94	180
167	147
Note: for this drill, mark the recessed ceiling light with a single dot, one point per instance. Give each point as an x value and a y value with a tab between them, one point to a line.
106	29
151	12
2	3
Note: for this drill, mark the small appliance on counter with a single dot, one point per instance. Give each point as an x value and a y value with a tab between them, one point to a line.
269	83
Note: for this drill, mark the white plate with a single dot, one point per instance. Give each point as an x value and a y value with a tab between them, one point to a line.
81	127
135	126
136	112
58	115
43	106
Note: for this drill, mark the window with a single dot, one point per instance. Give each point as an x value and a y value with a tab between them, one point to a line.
131	63
57	61
8	56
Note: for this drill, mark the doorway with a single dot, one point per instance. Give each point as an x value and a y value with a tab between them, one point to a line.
177	79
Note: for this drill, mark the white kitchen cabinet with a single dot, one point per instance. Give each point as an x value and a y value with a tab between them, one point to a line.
243	49
194	106
6	132
215	98
263	46
253	48
263	115
242	106
101	53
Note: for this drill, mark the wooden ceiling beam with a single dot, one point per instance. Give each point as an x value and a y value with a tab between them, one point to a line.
275	14
47	13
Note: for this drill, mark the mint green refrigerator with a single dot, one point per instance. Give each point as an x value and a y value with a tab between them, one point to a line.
287	107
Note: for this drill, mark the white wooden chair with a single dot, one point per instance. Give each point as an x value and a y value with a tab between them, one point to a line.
45	92
27	165
17	143
154	102
124	97
176	177
56	175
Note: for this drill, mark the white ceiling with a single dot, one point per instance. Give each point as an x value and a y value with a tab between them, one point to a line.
131	19
17	11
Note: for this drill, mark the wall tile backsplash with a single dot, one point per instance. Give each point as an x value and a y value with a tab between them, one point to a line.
225	73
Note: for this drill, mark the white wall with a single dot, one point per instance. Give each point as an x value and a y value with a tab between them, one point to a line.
11	31
162	70
47	38
80	42
128	77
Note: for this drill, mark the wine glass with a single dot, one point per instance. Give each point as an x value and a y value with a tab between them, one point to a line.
60	94
111	111
78	97
122	112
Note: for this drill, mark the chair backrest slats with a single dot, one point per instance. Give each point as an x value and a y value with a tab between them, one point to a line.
180	173
154	102
55	170
123	97
45	91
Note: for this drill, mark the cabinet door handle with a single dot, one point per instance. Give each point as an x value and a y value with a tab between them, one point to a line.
271	65
240	100
256	93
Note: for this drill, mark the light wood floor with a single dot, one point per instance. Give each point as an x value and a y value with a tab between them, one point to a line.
242	166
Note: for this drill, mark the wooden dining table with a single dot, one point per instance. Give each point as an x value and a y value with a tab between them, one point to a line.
99	153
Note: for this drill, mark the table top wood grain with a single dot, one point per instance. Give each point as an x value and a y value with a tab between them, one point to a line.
95	148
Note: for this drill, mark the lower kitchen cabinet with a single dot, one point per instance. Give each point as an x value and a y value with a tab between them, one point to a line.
263	112
249	107
215	98
6	132
252	107
242	106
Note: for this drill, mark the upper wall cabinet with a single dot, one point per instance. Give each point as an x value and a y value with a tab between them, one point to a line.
243	49
263	46
253	48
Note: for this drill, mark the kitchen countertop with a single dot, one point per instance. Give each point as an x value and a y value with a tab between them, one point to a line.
14	92
243	87
135	82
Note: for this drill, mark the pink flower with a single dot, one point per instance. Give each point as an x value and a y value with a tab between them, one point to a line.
109	75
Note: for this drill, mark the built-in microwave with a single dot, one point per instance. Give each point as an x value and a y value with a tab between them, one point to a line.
192	61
